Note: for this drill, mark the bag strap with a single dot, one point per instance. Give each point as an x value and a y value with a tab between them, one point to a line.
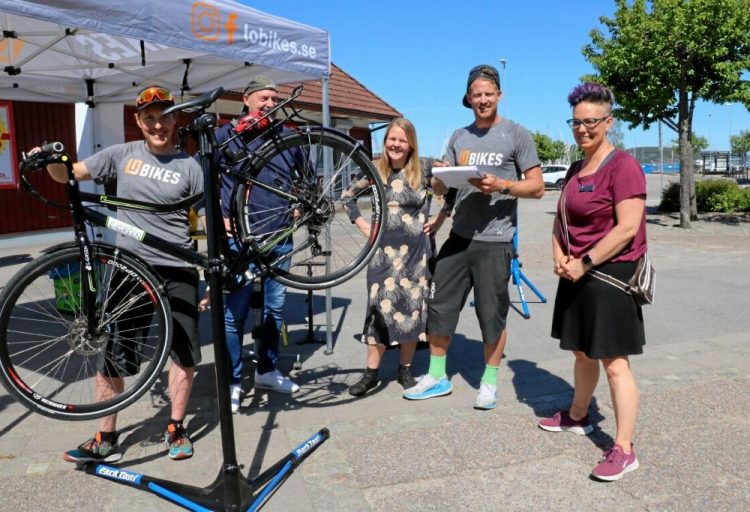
599	275
610	280
564	218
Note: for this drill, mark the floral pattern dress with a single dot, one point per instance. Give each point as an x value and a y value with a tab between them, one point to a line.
398	276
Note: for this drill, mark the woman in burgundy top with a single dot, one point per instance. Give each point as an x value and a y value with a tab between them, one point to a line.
600	224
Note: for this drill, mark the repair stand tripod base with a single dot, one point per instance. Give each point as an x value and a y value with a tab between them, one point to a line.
230	491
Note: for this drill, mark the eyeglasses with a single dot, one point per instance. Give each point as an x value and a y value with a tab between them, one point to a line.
148	95
589	122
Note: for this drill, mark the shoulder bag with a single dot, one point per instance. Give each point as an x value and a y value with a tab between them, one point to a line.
642	286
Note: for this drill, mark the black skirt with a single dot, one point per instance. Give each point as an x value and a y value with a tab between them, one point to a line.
598	319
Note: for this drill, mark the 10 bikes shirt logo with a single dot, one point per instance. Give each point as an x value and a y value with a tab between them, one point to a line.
467	157
136	167
208	23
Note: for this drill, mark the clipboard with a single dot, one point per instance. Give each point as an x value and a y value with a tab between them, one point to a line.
457	177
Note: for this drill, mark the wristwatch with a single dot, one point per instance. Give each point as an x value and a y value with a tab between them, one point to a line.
586	260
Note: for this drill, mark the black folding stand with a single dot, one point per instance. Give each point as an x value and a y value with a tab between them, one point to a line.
230	491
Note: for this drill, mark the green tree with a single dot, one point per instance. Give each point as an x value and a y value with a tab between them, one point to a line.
740	144
547	149
661	56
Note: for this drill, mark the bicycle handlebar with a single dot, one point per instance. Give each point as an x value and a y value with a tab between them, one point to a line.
49	153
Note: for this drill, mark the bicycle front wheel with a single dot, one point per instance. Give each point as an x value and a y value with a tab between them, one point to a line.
313	166
52	359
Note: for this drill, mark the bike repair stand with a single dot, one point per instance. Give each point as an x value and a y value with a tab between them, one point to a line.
230	491
310	338
518	276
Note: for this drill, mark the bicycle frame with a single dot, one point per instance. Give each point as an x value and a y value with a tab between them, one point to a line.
230	489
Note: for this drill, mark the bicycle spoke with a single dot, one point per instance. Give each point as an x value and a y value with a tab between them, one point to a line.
48	350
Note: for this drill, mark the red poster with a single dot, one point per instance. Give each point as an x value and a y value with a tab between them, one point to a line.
8	159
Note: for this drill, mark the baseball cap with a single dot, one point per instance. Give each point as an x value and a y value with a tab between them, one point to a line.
481	71
259	83
153	95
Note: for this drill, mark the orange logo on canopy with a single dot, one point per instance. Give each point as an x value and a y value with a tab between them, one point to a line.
205	22
10	49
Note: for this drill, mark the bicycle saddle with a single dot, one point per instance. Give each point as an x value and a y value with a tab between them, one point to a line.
200	102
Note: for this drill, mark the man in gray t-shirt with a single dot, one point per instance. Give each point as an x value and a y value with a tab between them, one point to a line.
479	249
151	170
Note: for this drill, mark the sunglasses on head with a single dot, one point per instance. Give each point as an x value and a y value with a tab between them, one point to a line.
148	95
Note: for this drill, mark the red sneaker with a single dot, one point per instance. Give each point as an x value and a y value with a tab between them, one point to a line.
562	422
615	464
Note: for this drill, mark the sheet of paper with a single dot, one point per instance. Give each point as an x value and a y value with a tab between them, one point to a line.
457	176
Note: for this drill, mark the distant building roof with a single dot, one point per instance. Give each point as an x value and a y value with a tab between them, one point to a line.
347	98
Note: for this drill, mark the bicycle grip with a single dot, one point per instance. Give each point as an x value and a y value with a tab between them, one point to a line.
53	147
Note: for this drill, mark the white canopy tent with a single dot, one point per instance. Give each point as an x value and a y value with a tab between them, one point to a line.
93	51
102	53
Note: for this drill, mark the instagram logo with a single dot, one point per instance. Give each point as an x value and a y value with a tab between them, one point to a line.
206	23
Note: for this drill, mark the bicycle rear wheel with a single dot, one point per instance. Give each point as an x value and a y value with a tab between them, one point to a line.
51	362
314	165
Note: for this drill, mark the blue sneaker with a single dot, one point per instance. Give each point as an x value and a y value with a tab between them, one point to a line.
428	387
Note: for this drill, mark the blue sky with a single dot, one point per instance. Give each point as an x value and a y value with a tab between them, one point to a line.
415	54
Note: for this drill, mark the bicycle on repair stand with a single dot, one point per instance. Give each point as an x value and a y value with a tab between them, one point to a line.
59	314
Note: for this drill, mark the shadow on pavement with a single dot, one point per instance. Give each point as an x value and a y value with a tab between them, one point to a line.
16	259
547	393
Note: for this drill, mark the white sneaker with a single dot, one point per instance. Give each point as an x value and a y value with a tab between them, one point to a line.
235	394
487	397
275	381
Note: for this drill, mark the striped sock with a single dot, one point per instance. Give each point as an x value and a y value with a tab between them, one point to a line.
437	367
490	375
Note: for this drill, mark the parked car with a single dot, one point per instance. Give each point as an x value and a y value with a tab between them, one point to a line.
554	175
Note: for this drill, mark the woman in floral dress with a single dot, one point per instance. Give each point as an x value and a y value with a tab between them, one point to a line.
398	276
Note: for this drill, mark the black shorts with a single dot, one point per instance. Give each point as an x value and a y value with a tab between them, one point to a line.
464	264
124	356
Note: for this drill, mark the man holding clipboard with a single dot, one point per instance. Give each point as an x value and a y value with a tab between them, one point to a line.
479	249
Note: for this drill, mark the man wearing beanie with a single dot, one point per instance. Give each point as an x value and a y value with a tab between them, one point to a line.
259	97
479	249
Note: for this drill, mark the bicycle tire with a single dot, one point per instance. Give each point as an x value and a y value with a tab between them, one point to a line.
49	363
322	225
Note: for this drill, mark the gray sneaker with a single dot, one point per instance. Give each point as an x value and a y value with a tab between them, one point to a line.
275	381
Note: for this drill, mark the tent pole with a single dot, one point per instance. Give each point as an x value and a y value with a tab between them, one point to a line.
326	124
